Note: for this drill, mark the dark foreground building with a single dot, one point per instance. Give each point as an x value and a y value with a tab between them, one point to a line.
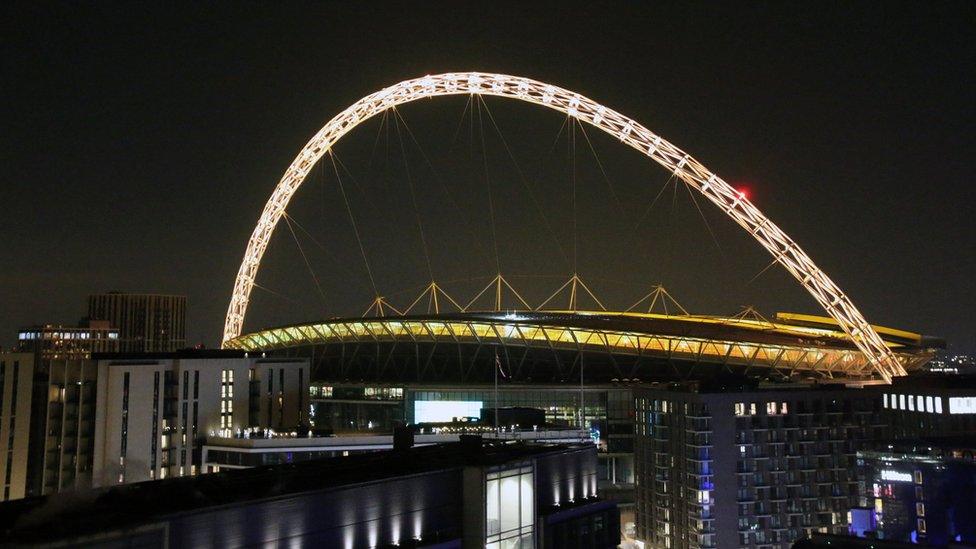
467	494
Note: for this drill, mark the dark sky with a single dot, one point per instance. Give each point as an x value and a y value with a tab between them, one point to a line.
139	145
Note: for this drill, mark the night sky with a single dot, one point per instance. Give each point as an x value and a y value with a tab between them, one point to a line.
140	144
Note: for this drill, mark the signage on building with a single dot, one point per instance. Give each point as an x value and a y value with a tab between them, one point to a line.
895	476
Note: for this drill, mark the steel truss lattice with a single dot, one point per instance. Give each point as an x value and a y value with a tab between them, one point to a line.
628	131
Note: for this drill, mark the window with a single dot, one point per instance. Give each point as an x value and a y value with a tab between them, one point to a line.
226	402
740	408
509	507
155	426
886	400
962	405
125	426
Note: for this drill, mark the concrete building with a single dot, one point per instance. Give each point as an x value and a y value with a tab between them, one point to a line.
744	466
147	323
121	418
467	494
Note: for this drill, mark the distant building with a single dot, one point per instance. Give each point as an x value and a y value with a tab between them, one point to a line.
468	494
922	491
738	466
58	341
147	323
121	418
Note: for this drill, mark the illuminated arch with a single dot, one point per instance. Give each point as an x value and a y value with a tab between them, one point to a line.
682	165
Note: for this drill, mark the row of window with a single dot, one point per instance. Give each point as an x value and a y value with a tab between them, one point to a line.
914	403
27	336
749	408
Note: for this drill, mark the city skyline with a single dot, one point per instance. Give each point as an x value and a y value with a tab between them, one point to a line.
795	125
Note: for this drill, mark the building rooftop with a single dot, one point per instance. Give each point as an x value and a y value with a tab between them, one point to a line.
188	354
45	518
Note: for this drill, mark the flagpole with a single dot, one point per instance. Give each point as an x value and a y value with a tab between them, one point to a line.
497	367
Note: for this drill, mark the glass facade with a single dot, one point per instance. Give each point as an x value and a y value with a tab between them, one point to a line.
510	508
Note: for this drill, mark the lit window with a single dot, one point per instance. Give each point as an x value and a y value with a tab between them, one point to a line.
962	405
886	400
901	402
929	404
911	403
938	405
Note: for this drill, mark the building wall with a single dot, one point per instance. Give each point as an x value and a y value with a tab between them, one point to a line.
146	322
68	421
16	378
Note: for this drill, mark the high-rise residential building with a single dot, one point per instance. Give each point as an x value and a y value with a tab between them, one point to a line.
120	418
739	466
54	341
149	323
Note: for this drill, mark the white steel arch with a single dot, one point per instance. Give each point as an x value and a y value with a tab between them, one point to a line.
628	131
